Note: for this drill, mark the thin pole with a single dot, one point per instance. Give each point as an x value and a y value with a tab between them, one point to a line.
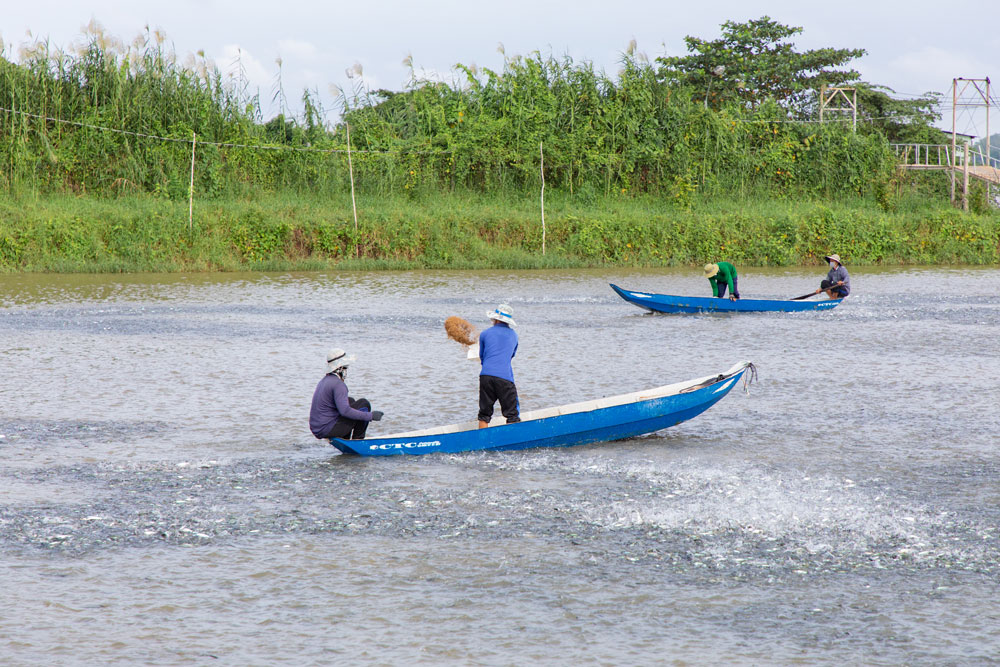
965	177
194	141
954	110
854	110
354	205
541	155
989	155
988	122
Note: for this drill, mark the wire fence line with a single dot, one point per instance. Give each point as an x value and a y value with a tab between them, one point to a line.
309	149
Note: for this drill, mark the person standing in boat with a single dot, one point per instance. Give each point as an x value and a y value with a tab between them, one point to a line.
722	275
497	347
334	414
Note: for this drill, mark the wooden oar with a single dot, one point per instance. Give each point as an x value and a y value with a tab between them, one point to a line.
806	296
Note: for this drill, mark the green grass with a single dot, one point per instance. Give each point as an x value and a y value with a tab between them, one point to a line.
64	233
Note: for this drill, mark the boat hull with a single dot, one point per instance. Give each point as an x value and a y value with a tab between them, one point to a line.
561	430
669	303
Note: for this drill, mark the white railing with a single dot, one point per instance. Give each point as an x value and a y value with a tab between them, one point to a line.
928	156
938	156
977	158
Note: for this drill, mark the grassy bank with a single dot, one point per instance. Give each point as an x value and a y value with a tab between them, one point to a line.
64	233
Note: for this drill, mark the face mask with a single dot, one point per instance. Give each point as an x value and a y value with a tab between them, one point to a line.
833	265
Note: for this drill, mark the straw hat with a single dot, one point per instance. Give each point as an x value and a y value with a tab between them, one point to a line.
711	270
835	258
503	313
337	358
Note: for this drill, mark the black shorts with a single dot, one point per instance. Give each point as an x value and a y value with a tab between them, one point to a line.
492	389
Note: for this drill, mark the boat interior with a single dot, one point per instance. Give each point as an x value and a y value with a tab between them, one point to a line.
584	406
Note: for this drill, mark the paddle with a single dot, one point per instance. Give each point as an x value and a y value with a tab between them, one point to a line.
806	296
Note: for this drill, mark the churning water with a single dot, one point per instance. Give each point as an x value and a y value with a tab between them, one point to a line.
162	500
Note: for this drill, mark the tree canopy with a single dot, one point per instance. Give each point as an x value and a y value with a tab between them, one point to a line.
753	62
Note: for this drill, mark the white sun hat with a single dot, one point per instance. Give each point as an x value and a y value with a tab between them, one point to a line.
337	358
503	313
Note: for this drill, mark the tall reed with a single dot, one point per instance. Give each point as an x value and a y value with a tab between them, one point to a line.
603	136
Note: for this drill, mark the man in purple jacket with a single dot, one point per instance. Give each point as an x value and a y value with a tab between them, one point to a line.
334	414
497	346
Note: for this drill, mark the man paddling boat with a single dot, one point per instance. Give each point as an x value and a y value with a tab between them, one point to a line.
837	283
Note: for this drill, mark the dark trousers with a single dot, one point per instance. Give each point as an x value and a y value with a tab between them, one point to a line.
351	429
838	290
492	389
723	286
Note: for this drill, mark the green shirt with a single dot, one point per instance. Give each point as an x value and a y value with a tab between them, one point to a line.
727	272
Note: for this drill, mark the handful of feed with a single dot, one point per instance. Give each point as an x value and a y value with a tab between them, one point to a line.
460	330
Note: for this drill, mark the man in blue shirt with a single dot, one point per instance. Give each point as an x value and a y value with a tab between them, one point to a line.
334	414
497	346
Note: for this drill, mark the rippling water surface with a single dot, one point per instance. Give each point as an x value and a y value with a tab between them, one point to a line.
162	500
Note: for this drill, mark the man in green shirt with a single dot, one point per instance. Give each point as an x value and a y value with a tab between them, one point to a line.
723	275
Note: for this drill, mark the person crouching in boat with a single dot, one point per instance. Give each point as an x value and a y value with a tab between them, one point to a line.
334	414
722	275
838	283
497	346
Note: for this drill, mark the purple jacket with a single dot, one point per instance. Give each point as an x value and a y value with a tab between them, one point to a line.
330	404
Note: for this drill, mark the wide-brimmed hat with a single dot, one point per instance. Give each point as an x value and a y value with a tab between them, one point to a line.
711	270
336	359
835	258
503	313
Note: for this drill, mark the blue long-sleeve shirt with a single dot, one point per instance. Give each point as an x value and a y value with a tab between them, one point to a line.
838	274
330	404
497	346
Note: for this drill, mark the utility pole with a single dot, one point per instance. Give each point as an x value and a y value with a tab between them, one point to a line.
973	93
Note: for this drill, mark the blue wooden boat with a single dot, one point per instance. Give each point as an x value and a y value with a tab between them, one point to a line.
668	303
598	420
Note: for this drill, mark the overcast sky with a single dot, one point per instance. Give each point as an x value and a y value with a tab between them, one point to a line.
912	47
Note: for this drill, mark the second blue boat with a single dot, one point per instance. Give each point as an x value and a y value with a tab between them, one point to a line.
669	303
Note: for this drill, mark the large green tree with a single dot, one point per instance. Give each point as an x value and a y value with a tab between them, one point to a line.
753	62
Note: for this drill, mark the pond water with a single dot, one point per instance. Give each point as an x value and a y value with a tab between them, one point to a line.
162	499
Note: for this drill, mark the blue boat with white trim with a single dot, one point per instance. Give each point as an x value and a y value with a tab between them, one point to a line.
599	420
669	303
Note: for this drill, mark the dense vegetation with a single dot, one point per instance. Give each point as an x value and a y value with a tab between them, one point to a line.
66	233
645	167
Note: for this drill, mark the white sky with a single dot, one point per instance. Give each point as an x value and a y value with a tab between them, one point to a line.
912	47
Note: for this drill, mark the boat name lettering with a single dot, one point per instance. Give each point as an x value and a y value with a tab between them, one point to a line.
415	444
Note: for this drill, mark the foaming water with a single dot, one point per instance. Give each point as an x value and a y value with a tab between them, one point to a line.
162	500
